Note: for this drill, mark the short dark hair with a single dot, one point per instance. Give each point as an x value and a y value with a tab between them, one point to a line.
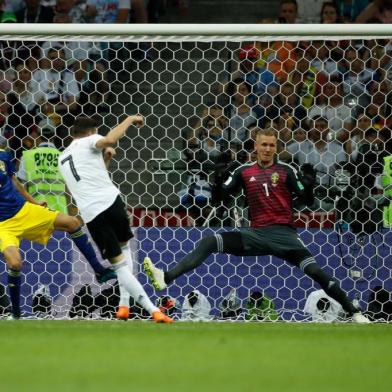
83	125
289	2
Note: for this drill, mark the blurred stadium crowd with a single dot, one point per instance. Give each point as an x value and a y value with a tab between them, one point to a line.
330	101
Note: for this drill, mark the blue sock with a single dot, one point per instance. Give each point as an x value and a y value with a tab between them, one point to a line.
14	281
82	241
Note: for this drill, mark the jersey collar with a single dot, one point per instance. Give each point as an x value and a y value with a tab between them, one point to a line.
273	163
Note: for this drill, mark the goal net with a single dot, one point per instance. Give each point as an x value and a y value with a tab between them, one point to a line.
204	91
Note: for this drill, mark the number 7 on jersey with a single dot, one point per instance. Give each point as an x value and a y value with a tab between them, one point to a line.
72	166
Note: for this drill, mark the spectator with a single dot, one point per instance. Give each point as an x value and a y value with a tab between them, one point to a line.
380	108
309	10
12	127
325	155
299	147
305	77
6	79
288	11
70	9
35	13
242	116
7	17
356	77
215	112
264	104
322	58
260	78
17	51
323	308
25	96
59	86
90	75
41	175
350	9
357	135
386	61
386	182
284	126
329	13
108	11
332	107
378	11
139	12
286	106
277	57
93	86
370	162
205	143
379	59
196	198
13	5
365	208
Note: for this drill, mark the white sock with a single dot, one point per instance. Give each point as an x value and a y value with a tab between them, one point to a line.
133	286
124	295
126	251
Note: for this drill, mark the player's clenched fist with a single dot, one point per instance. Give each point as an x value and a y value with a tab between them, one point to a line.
136	120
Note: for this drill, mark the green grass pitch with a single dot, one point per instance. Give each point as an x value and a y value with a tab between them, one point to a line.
142	356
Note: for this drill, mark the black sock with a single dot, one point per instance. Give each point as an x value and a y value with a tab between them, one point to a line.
330	286
14	281
203	249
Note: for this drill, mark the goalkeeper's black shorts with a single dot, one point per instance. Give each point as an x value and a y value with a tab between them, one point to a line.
277	240
110	228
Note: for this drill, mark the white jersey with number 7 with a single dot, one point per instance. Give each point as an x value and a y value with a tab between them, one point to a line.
87	178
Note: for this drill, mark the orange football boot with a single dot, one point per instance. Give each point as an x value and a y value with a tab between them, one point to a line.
122	313
160	317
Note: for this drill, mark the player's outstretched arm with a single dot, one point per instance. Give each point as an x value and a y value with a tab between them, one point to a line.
119	131
108	154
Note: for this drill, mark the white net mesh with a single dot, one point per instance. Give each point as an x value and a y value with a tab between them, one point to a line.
203	102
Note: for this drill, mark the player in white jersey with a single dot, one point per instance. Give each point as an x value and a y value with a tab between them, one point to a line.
83	167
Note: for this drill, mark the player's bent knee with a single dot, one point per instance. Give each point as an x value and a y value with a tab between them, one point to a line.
74	223
232	243
66	223
13	258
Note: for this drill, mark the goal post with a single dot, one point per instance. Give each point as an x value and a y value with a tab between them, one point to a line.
204	90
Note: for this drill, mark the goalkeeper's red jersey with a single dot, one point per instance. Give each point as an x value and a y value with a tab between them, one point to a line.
269	192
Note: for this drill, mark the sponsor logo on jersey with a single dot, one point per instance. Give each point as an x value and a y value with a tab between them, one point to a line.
274	179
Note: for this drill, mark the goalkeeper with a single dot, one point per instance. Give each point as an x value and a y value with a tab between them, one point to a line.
270	187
